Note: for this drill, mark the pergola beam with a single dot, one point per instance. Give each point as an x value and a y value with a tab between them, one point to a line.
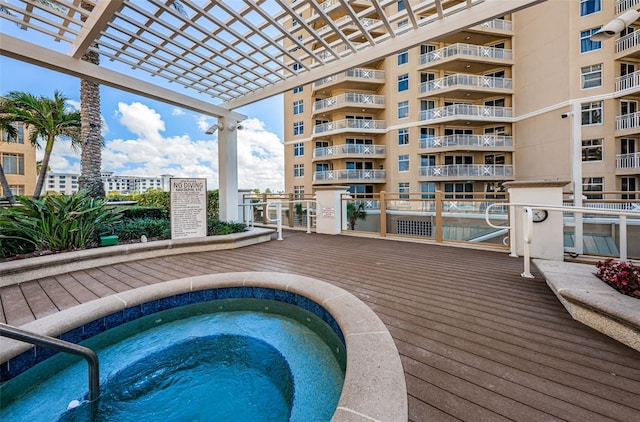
97	21
34	54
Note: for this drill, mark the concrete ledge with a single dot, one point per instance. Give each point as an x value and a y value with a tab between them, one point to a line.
21	270
374	388
592	302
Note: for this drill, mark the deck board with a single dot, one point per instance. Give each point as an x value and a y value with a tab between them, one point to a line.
477	341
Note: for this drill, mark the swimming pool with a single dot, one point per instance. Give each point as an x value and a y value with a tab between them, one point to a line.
230	359
374	385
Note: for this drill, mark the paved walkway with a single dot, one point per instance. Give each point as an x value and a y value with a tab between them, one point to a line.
477	341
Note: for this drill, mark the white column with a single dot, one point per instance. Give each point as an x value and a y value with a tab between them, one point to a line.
228	169
576	172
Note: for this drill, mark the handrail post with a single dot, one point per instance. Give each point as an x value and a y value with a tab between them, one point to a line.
308	217
623	238
383	214
279	219
439	231
527	235
61	346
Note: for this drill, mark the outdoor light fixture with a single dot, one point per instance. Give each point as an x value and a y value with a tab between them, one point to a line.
219	126
616	25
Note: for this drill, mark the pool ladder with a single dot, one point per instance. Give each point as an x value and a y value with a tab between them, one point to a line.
61	346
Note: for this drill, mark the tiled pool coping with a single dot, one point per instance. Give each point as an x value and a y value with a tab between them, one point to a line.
374	387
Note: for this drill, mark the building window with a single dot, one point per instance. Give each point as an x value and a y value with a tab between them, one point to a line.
458	159
403	137
591	76
427	160
16	190
403	57
593	184
298	107
297	66
458	190
294	22
403	190
298	128
427	133
588	7
298	149
592	113
586	44
298	192
403	163
403	23
428	190
19	139
298	170
298	89
401	5
12	163
403	109
592	150
403	82
628	184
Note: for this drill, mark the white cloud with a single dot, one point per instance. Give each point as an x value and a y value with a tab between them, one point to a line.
177	112
194	154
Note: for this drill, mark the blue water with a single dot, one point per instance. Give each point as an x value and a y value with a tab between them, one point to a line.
200	362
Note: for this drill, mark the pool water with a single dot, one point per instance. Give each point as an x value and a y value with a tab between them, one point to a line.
228	360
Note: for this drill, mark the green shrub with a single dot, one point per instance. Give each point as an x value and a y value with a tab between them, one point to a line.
133	229
213	204
133	213
56	223
153	198
217	227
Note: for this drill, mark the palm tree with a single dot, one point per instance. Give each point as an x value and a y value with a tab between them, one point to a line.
355	213
48	119
90	179
9	133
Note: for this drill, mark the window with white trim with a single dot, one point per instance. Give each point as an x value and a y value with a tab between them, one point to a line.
298	128
588	7
403	82
586	44
12	163
403	190
591	76
403	136
298	107
298	170
298	149
593	184
403	109
403	57
298	192
298	89
428	190
591	113
403	163
592	150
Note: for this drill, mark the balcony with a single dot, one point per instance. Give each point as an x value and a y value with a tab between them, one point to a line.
350	125
346	22
467	111
350	176
628	161
467	142
499	24
350	151
465	83
350	99
628	121
628	46
357	78
484	57
475	171
622	5
628	82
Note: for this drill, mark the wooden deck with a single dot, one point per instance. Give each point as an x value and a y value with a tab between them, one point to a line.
477	341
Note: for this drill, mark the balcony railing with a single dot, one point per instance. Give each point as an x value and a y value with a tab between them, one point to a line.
365	22
630	81
465	110
467	141
345	124
628	121
622	5
467	170
350	149
466	81
470	50
628	161
628	41
501	24
358	73
349	98
349	175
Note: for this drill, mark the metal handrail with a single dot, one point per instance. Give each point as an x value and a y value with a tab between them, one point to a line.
61	346
278	205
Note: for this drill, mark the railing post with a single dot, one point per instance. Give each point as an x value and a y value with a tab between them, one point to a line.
438	216
527	234
309	217
383	214
623	238
291	210
279	219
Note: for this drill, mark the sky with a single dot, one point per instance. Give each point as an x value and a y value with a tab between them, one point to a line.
145	137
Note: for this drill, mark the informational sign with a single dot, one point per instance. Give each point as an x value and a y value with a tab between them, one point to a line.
328	212
188	208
